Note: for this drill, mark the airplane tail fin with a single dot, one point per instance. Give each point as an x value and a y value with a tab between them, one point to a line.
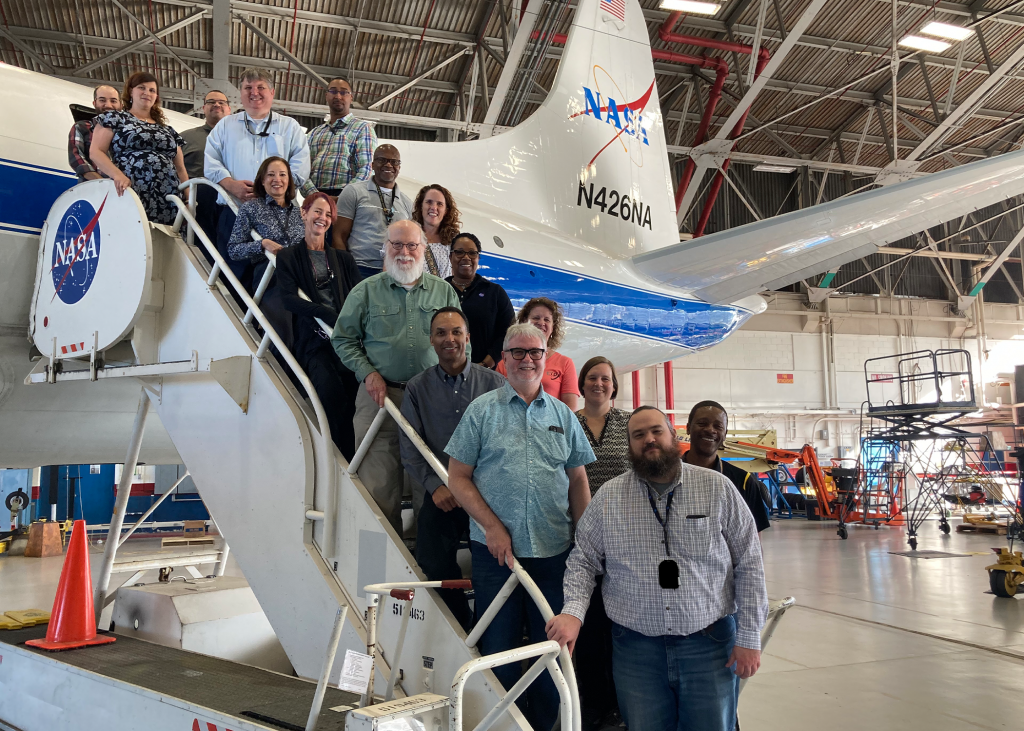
592	161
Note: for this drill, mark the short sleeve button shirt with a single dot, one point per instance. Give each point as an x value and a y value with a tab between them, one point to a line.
520	453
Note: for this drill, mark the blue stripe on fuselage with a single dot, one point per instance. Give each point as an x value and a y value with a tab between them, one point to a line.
611	306
26	196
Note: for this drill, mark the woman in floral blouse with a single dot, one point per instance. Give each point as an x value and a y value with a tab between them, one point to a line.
137	149
272	213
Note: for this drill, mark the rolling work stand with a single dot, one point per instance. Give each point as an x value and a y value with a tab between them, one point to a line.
914	455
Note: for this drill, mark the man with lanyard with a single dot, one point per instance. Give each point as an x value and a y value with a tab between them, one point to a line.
707	425
240	143
340	150
215	107
684	585
366	210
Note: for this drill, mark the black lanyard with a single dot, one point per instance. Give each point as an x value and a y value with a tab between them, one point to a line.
668	510
266	126
389	213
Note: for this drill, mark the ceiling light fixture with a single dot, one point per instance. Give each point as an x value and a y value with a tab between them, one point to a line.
768	168
945	30
691	6
923	44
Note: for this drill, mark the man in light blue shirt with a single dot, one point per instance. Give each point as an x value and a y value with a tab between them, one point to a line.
240	143
517	467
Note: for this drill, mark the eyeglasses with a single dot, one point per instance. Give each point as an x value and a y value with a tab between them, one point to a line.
339	92
384	161
520	353
398	246
460	254
217	102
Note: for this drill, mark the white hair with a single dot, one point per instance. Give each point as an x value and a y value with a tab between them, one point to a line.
522	329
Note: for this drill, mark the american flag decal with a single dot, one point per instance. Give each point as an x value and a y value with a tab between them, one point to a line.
615	8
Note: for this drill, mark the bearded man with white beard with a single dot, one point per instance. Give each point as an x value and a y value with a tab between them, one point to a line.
383	336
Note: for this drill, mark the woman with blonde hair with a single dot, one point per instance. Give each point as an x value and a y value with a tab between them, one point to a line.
137	149
435	210
559	372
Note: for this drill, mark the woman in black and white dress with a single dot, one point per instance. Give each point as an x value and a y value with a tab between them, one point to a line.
137	149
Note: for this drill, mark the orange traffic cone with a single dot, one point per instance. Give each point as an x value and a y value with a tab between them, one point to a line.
72	622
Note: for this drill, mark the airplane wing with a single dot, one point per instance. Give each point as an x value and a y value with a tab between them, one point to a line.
726	266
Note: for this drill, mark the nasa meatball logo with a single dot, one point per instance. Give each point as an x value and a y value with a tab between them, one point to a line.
76	251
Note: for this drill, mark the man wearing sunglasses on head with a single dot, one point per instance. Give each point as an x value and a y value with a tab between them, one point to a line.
517	467
240	143
683	585
383	336
365	210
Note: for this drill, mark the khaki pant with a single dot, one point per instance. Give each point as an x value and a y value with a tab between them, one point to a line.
381	470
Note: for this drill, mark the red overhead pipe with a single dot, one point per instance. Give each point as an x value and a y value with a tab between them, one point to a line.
665	33
721	72
716	184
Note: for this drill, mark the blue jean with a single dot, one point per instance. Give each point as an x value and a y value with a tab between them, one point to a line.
540	701
367	272
674	682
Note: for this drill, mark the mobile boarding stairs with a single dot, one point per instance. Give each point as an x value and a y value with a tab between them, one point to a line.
309	538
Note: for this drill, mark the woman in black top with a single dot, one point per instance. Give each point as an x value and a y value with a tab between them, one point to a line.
488	309
607	431
137	149
326	275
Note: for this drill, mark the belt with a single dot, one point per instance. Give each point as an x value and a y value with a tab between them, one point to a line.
331	191
395	384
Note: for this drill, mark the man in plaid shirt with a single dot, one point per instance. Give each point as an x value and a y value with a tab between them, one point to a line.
340	150
104	99
683	585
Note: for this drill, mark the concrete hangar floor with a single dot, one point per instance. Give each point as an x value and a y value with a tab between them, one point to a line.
876	640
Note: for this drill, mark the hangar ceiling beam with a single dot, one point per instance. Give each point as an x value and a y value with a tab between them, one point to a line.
778	57
416	79
26	50
221	40
131	46
965	107
151	34
302	65
508	71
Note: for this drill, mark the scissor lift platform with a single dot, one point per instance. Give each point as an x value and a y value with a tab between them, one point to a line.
239	696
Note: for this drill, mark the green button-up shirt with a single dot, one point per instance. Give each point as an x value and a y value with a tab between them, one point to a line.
385	328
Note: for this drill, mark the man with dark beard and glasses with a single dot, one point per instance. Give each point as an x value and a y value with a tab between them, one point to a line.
683	585
383	336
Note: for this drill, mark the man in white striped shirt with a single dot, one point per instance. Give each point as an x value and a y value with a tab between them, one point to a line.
684	585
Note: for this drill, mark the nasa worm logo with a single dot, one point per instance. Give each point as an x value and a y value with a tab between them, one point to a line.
76	251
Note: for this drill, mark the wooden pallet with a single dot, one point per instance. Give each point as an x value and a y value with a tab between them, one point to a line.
187	541
996	530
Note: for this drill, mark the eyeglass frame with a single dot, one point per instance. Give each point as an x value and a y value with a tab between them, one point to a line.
219	102
339	92
388	161
464	254
411	248
526	351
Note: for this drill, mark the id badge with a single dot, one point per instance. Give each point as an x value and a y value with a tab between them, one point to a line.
668	574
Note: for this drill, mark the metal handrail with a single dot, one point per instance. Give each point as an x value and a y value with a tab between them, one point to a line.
519	575
546	651
327	473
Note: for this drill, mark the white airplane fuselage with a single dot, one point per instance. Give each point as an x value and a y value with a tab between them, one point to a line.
610	308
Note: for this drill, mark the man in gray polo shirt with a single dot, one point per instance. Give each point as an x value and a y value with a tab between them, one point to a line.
434	403
365	210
